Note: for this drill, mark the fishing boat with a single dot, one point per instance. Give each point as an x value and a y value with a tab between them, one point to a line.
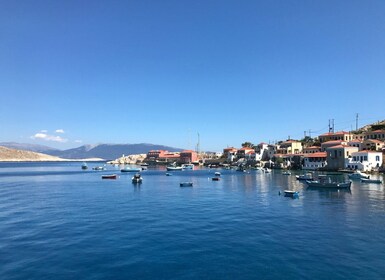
186	184
358	175
137	179
174	168
128	169
374	181
110	176
324	181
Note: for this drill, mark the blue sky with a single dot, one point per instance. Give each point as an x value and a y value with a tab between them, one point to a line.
87	72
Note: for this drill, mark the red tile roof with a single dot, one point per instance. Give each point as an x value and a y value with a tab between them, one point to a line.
313	155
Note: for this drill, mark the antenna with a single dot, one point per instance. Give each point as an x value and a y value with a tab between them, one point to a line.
198	144
357	121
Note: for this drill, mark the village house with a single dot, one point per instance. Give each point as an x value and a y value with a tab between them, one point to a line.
337	156
314	161
332	136
377	134
329	144
264	151
162	156
365	161
188	156
372	145
289	147
230	154
245	152
311	150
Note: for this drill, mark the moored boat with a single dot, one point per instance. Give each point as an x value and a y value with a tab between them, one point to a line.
358	175
305	177
109	176
286	173
326	182
188	166
128	169
98	168
186	184
215	178
290	193
84	166
174	168
218	174
137	179
375	181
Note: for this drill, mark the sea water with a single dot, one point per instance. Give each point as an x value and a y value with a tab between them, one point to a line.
60	222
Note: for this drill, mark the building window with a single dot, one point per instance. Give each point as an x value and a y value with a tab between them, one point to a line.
377	158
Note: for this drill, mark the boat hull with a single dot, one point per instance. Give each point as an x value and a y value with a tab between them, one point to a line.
113	176
317	184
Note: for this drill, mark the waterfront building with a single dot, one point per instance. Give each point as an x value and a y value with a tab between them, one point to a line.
230	153
188	156
337	156
264	151
244	152
355	143
364	161
314	161
162	156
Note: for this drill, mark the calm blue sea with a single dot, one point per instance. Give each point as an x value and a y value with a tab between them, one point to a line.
59	222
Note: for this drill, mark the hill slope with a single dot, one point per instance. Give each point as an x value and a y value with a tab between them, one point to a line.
7	154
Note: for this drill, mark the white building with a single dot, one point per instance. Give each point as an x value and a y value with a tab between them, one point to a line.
364	161
314	161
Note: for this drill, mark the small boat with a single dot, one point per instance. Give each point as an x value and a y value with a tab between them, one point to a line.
137	179
286	173
215	178
374	181
168	174
186	184
358	175
110	176
218	174
189	166
266	170
128	169
289	193
84	166
174	168
98	168
326	182
305	177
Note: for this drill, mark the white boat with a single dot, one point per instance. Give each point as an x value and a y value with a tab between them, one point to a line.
286	173
326	182
188	166
137	179
375	181
358	175
186	184
305	177
174	168
217	174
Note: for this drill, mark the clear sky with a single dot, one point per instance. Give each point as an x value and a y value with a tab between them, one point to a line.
76	72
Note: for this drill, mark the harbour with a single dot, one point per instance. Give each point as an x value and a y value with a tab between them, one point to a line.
60	221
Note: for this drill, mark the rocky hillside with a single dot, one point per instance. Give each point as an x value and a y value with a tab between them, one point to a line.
7	154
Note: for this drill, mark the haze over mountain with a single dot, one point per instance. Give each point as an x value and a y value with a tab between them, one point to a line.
104	151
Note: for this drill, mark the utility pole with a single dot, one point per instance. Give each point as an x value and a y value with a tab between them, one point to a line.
356	121
304	134
333	125
310	133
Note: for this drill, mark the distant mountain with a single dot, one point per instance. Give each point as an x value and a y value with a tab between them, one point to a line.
109	151
28	147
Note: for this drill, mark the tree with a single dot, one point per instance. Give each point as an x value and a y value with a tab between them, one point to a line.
247	145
